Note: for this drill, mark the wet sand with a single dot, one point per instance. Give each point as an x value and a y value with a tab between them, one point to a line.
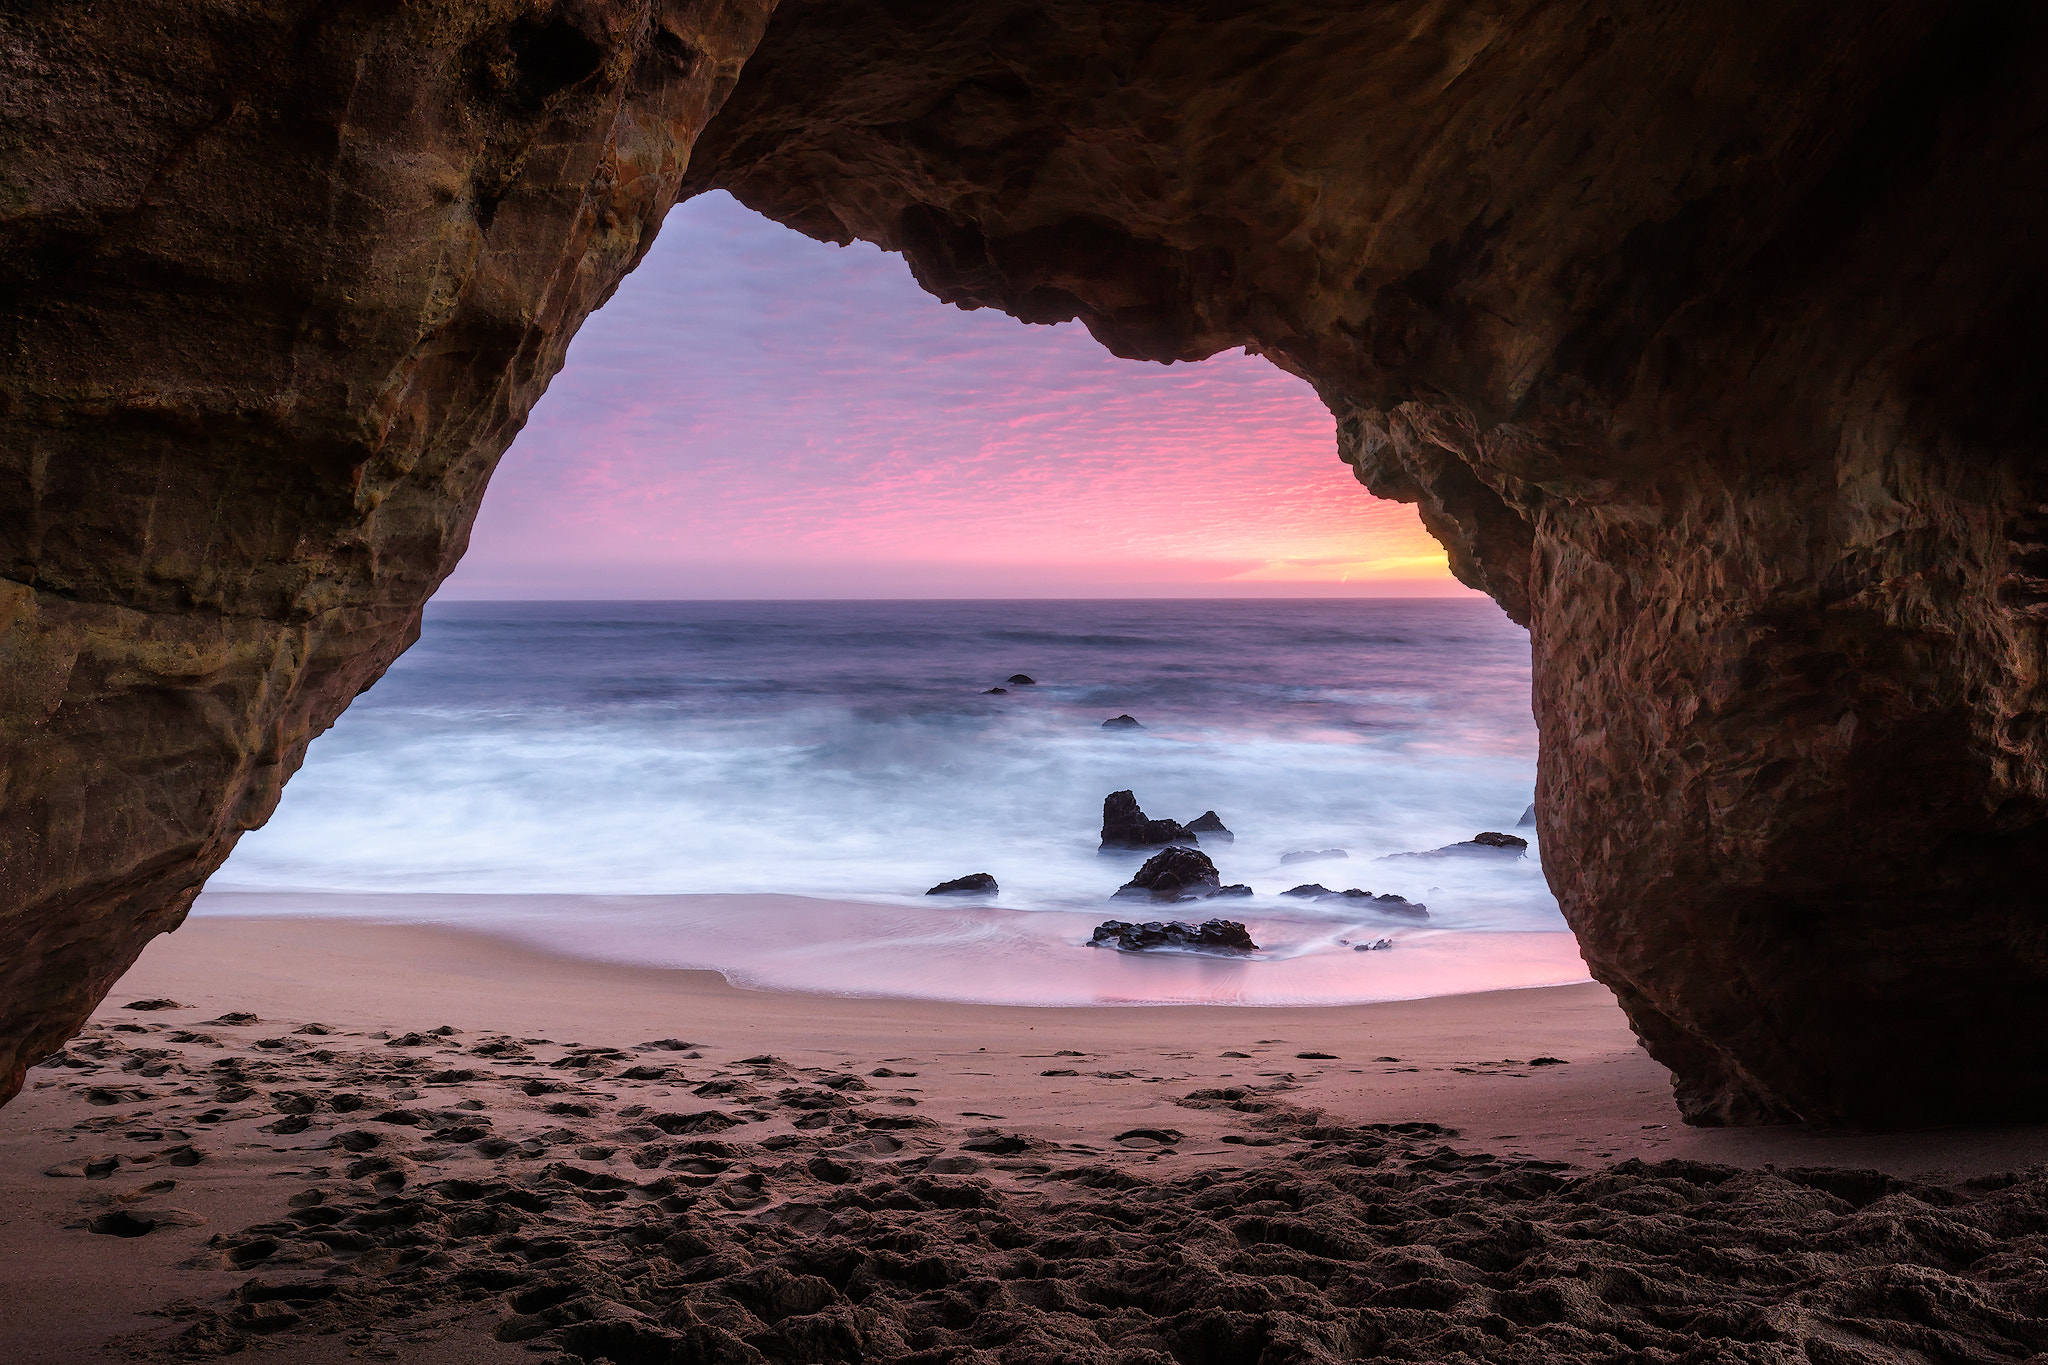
364	1168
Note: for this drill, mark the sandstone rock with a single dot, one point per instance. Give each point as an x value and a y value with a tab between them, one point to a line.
1704	338
1216	935
1126	826
1171	875
973	884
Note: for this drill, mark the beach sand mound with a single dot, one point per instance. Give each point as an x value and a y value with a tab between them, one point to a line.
1364	1242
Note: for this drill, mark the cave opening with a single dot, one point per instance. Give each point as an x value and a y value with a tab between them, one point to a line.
741	616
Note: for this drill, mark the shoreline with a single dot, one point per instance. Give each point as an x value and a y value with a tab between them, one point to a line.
950	952
996	1097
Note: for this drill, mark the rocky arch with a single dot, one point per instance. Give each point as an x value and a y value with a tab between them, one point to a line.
1706	336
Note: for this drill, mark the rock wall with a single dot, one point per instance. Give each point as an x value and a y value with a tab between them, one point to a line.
1705	336
280	282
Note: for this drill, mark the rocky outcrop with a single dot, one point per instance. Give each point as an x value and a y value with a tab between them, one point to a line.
1173	874
1211	936
1126	826
1706	338
1210	829
973	884
277	286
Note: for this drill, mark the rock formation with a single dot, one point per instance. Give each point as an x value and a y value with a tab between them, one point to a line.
1125	826
973	884
1706	338
1173	874
1214	936
1210	829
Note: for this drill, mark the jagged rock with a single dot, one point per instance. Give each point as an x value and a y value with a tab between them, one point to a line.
1706	344
1528	820
1308	890
974	884
1216	935
1495	839
1125	722
1022	680
1125	825
1210	829
1174	874
1310	855
1235	889
1378	945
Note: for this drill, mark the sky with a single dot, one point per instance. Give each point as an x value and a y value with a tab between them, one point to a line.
758	415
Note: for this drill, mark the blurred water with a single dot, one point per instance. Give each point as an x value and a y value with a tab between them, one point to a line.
847	750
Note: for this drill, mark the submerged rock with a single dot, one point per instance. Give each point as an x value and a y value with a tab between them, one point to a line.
1388	904
1309	855
1234	889
1125	825
1215	935
1376	946
1021	680
997	692
1491	844
1124	722
1176	874
1209	827
974	884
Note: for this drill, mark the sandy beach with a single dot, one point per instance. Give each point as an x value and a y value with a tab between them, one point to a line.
347	1140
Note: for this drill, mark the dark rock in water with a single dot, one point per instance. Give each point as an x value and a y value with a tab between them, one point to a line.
1528	820
1124	825
1122	723
975	884
997	692
1216	935
1376	946
1173	874
1021	680
1234	889
1491	844
1309	855
1210	828
1308	890
1385	904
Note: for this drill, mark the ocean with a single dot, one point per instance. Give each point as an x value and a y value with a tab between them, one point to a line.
767	789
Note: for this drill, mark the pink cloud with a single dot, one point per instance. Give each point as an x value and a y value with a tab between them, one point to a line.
757	414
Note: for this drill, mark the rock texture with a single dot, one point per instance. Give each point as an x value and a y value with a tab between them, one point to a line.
1705	337
1125	825
277	286
1707	341
1173	874
1211	935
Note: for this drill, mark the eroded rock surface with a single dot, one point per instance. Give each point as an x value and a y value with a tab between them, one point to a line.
1705	338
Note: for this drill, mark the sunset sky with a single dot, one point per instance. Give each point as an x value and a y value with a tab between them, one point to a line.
758	415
